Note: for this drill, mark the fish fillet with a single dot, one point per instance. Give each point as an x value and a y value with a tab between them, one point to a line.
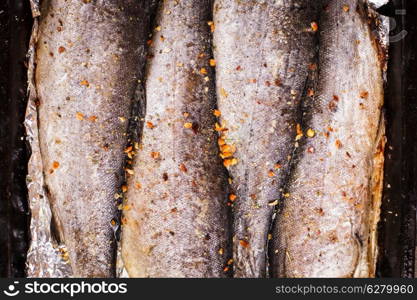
327	225
264	51
175	220
89	59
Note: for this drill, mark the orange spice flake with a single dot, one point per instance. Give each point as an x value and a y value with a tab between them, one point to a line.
228	148
232	197
183	168
338	144
79	116
124	188
150	125
212	26
212	62
55	165
244	243
346	8
310	92
271	173
188	125
364	95
219	128
277	166
203	71
230	162
314	26
155	155
138	186
61	49
217	113
85	83
221	141
92	118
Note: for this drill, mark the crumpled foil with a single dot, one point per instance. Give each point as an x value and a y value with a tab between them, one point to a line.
46	258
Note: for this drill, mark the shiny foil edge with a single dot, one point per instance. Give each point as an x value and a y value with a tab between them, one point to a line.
45	258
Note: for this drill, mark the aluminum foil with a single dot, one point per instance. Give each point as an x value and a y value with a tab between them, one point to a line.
378	3
46	258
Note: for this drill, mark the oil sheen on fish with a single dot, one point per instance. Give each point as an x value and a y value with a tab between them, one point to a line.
328	221
89	58
175	219
262	73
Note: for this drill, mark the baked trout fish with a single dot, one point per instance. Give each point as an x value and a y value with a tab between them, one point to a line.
327	223
89	58
262	74
175	220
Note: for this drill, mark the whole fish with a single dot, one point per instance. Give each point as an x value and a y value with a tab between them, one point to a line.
264	52
175	221
327	224
88	62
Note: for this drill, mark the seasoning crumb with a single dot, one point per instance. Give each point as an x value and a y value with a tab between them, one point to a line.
188	125
232	197
150	125
346	8
223	93
244	243
310	133
203	71
79	116
212	26
364	95
230	162
155	155
55	165
124	188
212	62
183	168
338	144
217	113
61	49
85	83
314	26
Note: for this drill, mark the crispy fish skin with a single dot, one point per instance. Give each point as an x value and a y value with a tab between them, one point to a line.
261	76
89	58
175	219
327	224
